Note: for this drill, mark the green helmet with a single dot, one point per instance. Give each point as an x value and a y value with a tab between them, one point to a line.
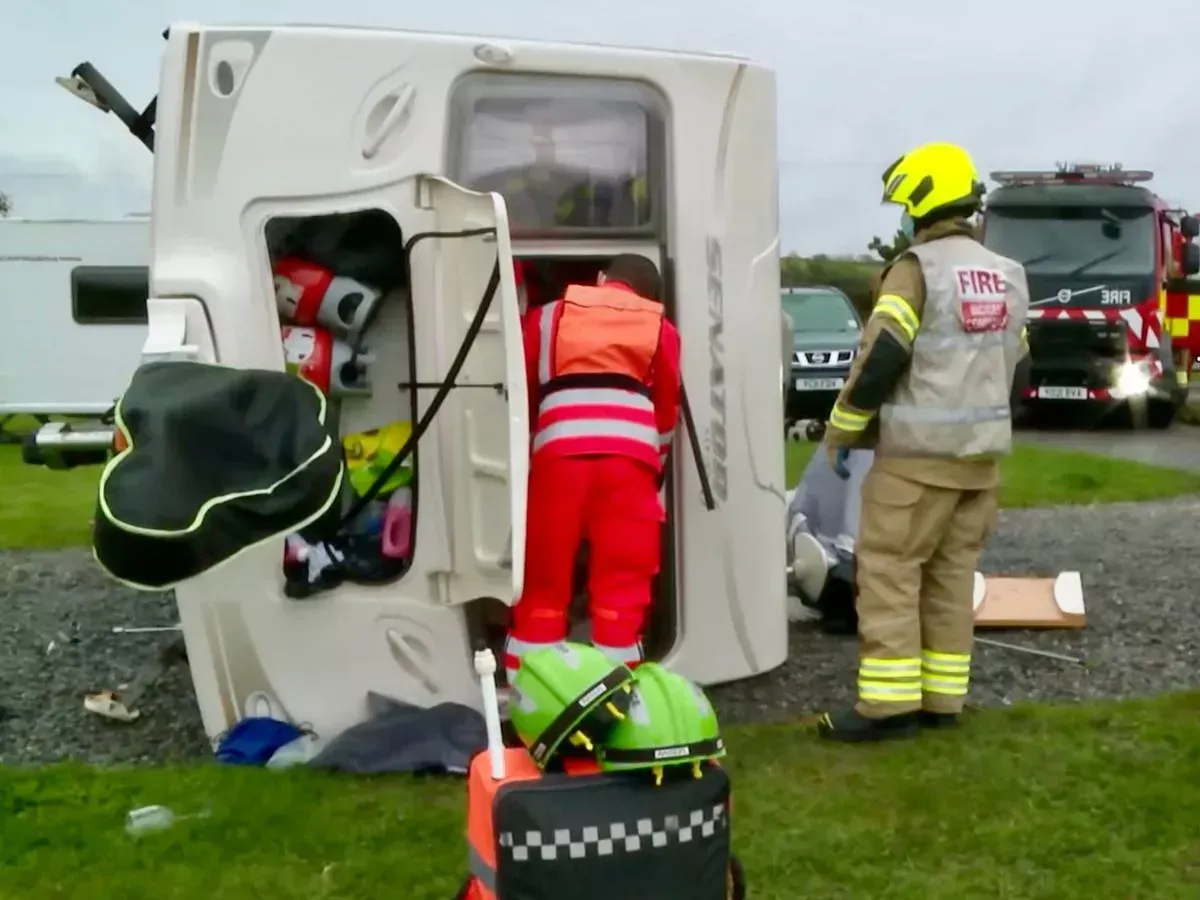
567	692
669	722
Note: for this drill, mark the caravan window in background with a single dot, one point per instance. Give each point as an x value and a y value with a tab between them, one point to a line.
110	295
568	154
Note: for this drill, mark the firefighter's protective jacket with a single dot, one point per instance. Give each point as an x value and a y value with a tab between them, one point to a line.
931	385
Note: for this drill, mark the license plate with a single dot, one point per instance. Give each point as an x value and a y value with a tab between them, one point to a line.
1062	393
819	384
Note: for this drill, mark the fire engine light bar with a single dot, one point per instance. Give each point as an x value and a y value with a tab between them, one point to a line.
1065	173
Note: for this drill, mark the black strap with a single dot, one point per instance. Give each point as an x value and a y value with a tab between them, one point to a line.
435	404
665	756
567	721
594	380
689	423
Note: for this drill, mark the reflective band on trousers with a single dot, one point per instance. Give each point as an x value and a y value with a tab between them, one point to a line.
945	673
629	655
889	680
515	649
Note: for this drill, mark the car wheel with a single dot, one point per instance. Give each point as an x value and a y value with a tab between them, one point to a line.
814	430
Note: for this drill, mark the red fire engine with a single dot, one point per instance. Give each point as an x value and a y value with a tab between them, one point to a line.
1107	262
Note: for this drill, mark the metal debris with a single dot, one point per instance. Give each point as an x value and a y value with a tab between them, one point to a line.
1048	654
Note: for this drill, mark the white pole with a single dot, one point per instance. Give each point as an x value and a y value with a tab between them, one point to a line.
485	668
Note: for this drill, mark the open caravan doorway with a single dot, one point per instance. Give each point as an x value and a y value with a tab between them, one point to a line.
545	277
347	323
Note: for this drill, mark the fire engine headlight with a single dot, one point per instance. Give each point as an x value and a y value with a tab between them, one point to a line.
1132	380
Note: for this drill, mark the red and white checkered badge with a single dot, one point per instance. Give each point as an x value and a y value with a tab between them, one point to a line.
982	296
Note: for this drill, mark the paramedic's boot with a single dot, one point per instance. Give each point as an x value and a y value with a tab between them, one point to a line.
852	727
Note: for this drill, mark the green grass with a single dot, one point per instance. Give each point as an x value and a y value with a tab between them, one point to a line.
42	509
1066	803
1043	476
1060	803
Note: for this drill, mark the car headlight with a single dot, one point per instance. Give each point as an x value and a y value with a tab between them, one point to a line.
1132	379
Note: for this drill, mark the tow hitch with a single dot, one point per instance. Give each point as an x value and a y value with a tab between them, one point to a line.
66	445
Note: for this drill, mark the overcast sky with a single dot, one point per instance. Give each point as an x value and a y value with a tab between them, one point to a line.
1020	83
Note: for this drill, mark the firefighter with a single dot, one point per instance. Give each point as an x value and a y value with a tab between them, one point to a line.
604	387
943	354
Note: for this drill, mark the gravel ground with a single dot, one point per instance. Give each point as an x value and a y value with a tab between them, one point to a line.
1177	448
56	644
1143	637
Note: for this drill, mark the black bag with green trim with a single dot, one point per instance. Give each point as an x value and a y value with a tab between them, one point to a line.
216	460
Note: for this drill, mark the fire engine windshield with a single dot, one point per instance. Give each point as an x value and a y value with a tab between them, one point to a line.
1071	240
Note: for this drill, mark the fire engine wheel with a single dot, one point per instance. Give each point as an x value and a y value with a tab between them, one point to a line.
735	883
1160	415
814	430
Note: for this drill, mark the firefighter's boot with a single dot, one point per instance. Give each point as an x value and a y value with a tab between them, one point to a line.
937	720
852	727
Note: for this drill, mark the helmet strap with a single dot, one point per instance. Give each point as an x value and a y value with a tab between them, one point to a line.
656	756
565	725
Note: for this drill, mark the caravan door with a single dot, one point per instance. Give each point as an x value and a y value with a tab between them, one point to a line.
484	425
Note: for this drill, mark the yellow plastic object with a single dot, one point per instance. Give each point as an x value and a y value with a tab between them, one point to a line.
368	453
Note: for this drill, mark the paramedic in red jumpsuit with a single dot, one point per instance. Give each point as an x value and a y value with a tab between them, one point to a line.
604	383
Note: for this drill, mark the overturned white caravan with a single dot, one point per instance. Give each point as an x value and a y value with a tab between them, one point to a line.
476	152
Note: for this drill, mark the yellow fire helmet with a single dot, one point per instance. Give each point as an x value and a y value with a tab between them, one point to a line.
933	177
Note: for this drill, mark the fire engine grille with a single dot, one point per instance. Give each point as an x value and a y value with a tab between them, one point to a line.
1056	339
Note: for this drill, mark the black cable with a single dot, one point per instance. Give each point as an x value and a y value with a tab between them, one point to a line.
439	398
689	423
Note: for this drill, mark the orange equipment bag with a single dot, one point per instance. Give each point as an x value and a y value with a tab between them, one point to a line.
585	834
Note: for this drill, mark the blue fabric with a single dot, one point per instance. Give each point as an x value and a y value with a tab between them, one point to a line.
254	740
839	463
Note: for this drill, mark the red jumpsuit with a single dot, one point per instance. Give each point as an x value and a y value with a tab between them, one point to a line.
603	367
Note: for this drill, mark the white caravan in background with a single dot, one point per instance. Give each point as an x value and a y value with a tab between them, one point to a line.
72	312
262	126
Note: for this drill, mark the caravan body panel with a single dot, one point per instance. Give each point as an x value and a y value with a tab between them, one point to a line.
256	123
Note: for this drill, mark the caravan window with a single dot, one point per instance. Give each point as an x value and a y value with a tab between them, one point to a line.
110	295
565	152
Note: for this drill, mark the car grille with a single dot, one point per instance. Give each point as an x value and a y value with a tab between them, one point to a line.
822	359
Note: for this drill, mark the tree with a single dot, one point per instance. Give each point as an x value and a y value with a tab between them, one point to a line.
5	205
888	252
854	277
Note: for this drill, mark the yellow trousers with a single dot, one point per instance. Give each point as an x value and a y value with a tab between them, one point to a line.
917	552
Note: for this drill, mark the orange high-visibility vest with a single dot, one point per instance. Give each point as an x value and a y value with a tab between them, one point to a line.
596	351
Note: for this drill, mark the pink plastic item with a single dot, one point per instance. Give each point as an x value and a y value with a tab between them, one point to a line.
397	525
